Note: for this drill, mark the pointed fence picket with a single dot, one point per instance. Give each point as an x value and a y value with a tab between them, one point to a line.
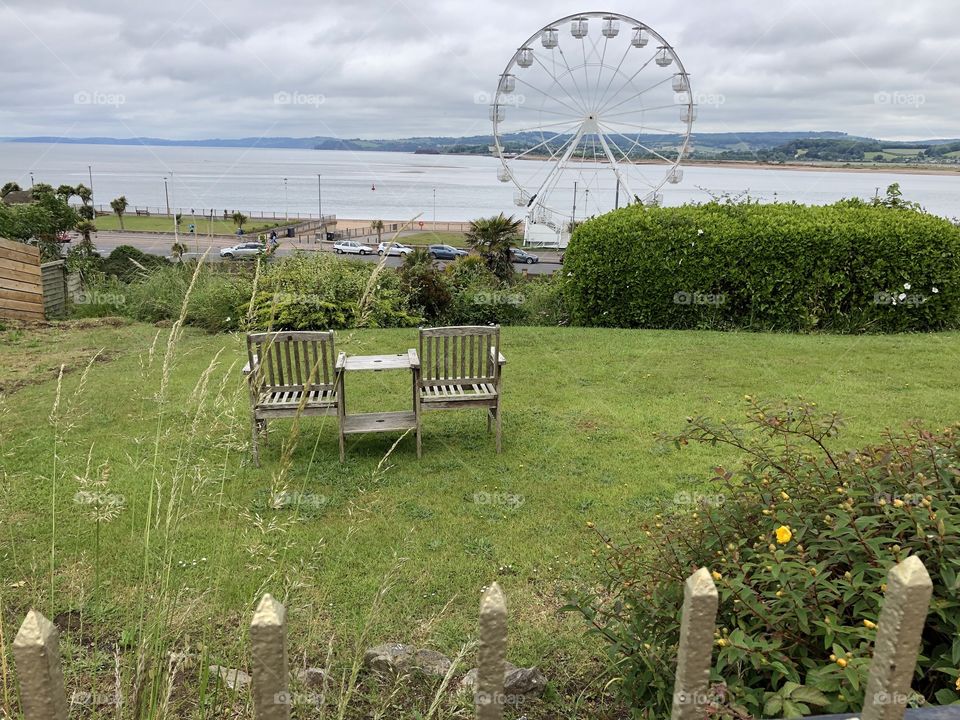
899	629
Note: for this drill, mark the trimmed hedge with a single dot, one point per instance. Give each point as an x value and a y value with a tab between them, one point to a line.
847	267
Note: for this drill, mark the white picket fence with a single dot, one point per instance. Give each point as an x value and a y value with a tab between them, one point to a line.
909	589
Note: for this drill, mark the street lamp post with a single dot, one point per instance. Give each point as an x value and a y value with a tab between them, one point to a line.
166	195
90	173
31	180
434	209
286	202
322	226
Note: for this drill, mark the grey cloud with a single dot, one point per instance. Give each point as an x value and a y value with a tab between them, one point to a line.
387	68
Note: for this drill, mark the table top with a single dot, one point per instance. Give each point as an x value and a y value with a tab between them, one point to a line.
400	361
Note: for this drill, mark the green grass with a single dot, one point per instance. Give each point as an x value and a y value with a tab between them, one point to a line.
156	223
434	238
583	408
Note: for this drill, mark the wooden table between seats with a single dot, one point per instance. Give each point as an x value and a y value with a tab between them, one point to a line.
392	421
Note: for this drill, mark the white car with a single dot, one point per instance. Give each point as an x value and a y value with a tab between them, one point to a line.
353	247
249	249
393	249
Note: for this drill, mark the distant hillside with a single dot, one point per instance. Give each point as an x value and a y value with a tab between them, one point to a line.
777	147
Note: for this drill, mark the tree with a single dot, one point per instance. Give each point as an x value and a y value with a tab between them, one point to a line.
66	192
9	188
119	206
378	226
427	288
177	250
894	199
239	219
43	221
493	237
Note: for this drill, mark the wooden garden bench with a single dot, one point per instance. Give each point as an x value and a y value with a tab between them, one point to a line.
458	368
293	374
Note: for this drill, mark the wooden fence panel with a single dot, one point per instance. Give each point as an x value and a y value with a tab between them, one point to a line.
54	288
21	285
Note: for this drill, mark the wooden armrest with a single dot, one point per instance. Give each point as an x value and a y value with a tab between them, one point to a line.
414	358
341	361
500	360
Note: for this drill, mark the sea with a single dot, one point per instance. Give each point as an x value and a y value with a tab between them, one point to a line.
400	186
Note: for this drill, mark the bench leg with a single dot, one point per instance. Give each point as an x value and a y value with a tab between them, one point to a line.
256	439
489	418
499	428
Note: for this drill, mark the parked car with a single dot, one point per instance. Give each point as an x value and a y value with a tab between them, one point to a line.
522	256
352	247
243	250
446	252
393	249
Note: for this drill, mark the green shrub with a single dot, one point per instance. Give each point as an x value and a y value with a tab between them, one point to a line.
544	300
127	263
427	288
319	292
799	543
848	267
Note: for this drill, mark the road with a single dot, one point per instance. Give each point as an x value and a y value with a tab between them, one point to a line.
159	244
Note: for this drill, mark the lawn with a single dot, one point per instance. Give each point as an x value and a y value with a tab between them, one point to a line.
435	238
197	532
159	223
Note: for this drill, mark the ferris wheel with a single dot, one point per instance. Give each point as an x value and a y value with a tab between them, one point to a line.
592	112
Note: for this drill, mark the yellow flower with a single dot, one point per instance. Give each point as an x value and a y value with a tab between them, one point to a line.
957	684
869	625
841	662
591	525
716	576
784	534
784	496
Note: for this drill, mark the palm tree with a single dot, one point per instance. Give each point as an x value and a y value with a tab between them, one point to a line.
9	188
378	226
119	206
239	219
492	238
177	250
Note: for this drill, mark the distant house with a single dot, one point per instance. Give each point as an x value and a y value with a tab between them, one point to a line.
18	197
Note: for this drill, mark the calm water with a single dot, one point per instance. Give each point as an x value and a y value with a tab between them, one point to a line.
466	187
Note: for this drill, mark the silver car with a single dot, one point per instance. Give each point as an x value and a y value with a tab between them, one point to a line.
393	249
353	247
250	249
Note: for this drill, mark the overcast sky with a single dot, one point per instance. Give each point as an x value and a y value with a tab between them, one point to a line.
392	68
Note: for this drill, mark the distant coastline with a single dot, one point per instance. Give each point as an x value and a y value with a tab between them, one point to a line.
477	146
